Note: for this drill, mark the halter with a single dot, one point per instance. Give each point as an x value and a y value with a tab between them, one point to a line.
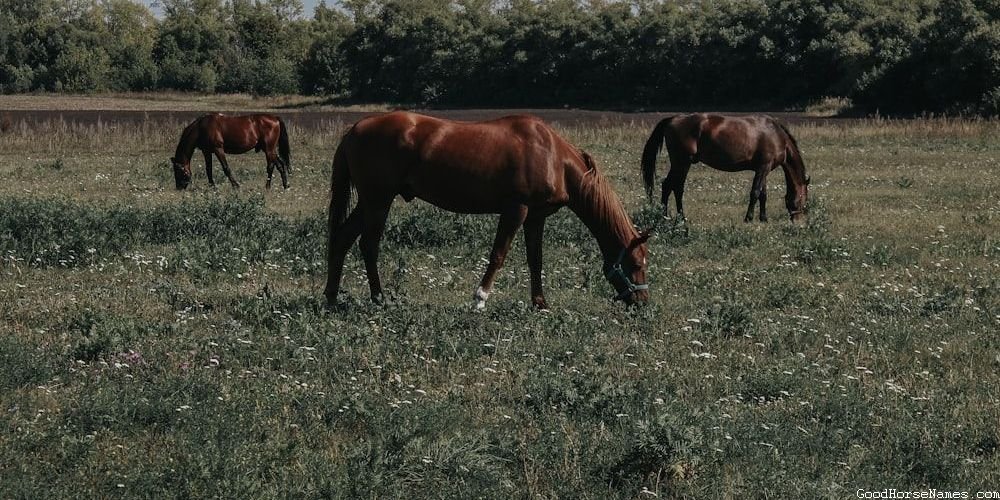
615	272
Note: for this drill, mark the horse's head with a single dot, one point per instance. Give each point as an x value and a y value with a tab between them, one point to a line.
182	173
628	273
795	201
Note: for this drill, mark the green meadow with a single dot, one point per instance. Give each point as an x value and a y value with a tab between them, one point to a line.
165	344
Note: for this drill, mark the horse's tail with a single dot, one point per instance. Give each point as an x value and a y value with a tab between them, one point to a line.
649	153
283	149
793	153
340	189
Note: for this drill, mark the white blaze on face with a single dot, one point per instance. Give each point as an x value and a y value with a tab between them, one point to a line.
480	299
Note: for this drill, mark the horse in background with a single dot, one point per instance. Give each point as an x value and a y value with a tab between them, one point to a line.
515	166
731	144
217	134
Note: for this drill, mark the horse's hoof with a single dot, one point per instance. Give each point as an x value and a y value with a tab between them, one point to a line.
540	304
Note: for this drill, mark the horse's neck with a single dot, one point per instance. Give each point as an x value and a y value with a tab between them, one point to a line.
603	214
185	148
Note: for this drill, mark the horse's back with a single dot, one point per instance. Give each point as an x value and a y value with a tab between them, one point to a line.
459	166
238	134
431	139
727	142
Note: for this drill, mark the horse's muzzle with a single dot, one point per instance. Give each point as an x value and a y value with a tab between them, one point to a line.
638	298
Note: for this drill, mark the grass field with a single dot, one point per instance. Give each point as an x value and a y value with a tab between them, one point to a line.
163	344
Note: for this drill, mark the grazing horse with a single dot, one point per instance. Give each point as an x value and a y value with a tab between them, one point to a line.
731	144
220	135
515	166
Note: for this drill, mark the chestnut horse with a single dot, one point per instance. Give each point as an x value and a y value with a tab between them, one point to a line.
515	166
220	135
731	144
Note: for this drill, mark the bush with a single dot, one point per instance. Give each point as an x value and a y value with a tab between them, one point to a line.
81	69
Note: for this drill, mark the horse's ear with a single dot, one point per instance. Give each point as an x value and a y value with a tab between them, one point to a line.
588	161
643	237
173	159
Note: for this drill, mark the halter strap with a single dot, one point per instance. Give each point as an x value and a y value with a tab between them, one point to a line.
616	270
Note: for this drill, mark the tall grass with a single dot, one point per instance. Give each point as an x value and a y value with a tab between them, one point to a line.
156	343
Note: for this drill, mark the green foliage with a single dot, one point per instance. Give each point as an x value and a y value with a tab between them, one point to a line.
80	69
895	56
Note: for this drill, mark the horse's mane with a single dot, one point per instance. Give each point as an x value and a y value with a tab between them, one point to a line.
602	202
186	144
788	133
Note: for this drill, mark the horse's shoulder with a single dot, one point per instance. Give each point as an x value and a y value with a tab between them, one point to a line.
394	119
521	117
210	118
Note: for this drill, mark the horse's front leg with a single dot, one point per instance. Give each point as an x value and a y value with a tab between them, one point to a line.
533	227
225	167
763	198
758	178
208	167
510	221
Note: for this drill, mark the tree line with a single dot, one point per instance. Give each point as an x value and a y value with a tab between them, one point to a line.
895	56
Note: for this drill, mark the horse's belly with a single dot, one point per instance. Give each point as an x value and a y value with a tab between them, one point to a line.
736	161
461	190
236	150
468	201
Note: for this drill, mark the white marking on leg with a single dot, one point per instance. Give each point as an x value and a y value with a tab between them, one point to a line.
480	299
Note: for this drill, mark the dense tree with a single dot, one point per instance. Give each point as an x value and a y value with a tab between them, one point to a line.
131	36
324	69
191	46
888	55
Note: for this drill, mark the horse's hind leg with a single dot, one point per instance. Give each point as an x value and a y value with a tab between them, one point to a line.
274	161
270	171
283	170
680	178
676	177
341	240
374	215
510	221
225	168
